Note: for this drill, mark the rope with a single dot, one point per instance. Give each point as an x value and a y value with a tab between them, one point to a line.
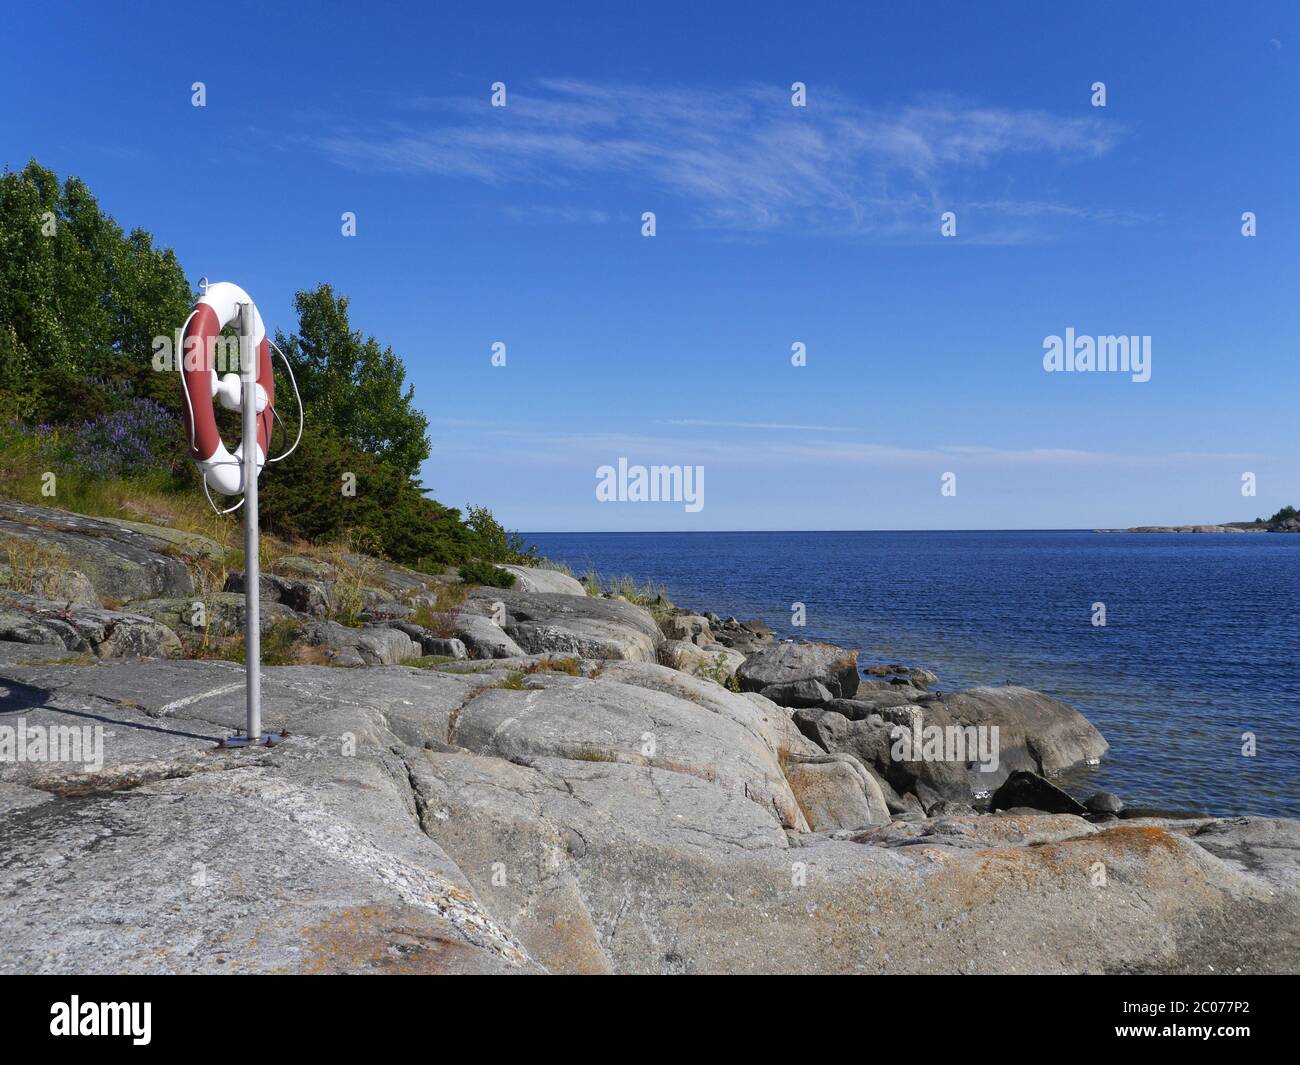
297	398
180	365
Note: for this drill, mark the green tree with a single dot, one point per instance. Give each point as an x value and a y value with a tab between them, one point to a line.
304	497
354	385
79	298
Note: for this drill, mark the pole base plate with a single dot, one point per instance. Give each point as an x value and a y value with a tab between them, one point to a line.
241	740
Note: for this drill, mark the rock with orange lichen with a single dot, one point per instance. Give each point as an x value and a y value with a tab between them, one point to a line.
627	819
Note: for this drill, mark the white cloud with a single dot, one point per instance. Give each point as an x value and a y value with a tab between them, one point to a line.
740	158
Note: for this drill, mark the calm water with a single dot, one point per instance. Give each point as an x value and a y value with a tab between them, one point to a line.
1201	643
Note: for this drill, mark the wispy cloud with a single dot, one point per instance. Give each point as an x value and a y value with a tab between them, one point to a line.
705	423
741	159
548	213
529	448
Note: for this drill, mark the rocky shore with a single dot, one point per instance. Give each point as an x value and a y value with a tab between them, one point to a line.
1287	525
536	779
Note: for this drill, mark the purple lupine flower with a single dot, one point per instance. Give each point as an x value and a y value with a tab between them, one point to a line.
139	439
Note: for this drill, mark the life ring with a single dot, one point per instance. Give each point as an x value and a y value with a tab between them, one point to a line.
216	309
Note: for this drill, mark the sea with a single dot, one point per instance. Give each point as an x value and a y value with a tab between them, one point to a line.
1182	648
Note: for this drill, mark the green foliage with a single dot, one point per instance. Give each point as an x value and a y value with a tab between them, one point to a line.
353	385
492	542
304	498
81	302
718	672
1285	514
480	572
79	298
650	596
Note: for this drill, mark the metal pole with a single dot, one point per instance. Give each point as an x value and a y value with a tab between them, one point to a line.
248	359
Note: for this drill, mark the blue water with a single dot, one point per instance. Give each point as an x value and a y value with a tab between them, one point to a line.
1201	642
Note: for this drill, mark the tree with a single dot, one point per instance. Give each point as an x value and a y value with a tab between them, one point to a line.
79	298
352	384
388	511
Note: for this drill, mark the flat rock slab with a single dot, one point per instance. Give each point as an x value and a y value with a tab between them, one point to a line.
375	841
317	867
395	705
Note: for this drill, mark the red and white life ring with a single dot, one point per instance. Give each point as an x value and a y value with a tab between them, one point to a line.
216	309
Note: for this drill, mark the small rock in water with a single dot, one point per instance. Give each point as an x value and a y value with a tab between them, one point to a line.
1025	789
1104	803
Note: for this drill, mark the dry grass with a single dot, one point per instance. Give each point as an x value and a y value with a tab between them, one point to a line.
650	596
280	647
31	567
571	666
440	618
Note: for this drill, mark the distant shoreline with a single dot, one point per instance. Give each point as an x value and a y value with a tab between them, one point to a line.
1226	527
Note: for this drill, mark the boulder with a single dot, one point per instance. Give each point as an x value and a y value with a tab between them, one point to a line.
546	622
1025	790
121	561
103	633
541	579
372	645
1103	802
429	643
832	666
922	678
873	741
558	716
749	710
305	596
691	628
484	638
798	693
835	792
1035	731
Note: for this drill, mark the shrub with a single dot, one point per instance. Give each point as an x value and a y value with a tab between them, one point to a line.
479	572
718	672
493	543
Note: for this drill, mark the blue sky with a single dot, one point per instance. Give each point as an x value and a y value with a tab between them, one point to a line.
775	224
